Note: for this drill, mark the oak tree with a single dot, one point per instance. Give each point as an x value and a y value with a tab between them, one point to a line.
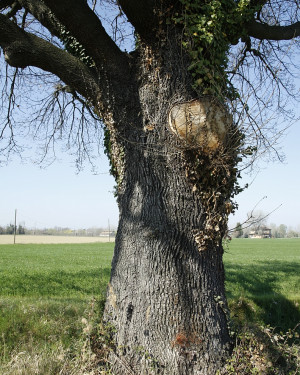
178	126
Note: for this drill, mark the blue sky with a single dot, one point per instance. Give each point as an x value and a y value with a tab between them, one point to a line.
58	196
279	183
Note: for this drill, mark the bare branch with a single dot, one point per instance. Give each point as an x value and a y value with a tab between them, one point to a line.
63	115
6	3
22	49
86	27
42	13
141	15
11	101
263	31
15	7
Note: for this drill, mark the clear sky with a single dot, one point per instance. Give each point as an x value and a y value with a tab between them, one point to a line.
58	196
279	183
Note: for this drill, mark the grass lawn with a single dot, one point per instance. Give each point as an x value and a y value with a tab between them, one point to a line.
46	290
263	280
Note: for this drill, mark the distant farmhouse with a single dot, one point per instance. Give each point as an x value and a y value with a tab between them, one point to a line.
262	232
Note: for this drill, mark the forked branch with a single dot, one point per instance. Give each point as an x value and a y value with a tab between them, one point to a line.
85	26
22	49
141	15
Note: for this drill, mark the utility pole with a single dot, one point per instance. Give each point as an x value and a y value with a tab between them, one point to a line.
15	226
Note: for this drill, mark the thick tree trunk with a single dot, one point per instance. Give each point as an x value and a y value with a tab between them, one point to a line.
166	297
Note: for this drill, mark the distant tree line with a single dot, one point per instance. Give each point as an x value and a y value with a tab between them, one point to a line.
57	231
240	231
10	229
277	231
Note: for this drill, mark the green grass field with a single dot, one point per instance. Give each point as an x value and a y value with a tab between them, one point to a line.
46	290
263	280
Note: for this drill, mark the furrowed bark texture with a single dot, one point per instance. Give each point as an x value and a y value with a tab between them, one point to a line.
166	297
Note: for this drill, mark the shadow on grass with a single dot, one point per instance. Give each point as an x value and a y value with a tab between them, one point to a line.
256	292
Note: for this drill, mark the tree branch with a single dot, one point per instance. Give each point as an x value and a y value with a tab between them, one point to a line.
263	31
254	3
15	7
86	27
22	49
6	3
141	15
42	13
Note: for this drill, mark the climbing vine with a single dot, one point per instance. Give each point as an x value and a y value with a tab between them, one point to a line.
210	27
215	179
71	44
115	156
74	47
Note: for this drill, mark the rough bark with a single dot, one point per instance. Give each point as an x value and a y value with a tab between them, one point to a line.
166	298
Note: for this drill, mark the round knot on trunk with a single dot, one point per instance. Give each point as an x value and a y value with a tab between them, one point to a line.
200	123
